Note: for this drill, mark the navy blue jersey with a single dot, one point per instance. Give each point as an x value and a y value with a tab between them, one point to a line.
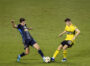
24	32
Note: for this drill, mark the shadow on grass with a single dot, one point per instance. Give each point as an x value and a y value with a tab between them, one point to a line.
30	59
64	63
38	62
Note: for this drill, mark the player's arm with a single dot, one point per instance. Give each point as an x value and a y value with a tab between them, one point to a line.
30	28
13	24
62	33
77	33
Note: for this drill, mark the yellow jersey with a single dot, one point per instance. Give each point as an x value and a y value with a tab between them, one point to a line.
70	32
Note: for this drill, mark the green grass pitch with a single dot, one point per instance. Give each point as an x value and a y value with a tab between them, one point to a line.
47	19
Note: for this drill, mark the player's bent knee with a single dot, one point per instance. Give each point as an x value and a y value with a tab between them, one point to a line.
59	48
64	48
36	46
26	53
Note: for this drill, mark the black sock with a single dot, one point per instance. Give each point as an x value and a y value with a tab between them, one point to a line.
41	53
23	54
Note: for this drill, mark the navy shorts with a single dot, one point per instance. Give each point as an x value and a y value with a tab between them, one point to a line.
29	42
68	43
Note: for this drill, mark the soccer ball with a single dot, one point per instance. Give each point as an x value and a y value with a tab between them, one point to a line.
47	59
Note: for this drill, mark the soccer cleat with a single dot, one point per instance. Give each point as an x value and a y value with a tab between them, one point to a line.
44	59
64	60
52	59
18	58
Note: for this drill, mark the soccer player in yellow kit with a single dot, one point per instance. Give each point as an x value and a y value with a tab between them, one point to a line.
71	33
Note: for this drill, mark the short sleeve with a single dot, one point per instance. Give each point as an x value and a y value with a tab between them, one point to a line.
65	28
18	26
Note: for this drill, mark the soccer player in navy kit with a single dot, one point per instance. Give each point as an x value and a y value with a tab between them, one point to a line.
27	39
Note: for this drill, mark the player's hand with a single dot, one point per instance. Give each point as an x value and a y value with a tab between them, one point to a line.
60	35
12	21
30	28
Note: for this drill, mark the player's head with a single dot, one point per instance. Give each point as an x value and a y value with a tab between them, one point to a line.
68	21
22	21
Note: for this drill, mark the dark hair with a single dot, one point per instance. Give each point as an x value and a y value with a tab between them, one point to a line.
21	20
67	19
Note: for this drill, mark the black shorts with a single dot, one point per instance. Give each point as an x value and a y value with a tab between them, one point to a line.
29	42
67	42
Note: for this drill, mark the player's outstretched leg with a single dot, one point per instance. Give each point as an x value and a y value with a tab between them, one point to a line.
23	54
36	46
56	52
64	53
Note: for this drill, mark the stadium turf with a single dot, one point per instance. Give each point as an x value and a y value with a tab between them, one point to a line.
46	17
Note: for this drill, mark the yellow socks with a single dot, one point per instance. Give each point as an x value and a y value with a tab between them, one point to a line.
56	53
65	54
